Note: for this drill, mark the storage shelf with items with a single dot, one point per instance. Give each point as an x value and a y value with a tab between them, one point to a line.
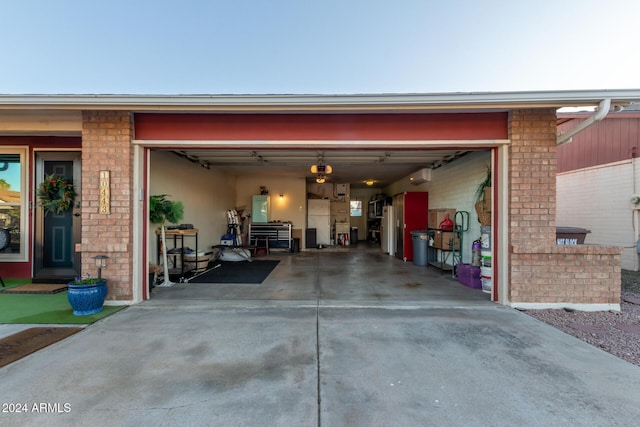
374	216
340	221
176	253
445	249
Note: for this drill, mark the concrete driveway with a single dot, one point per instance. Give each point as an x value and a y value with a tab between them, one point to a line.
321	352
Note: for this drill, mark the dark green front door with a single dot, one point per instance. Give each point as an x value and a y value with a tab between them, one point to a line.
57	234
58	228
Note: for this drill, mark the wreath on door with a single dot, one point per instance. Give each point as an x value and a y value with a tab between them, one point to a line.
55	194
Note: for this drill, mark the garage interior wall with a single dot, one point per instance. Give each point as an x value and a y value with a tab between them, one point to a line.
292	207
453	186
205	193
364	195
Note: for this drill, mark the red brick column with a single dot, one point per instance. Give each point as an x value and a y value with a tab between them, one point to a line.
532	201
541	271
106	145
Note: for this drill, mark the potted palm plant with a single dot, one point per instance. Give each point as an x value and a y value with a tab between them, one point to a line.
162	210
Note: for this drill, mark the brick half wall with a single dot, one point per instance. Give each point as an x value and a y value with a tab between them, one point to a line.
565	275
543	274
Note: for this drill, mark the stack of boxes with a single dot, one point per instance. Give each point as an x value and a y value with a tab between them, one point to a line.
447	240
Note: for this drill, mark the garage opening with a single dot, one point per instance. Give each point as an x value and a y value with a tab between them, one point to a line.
215	163
330	239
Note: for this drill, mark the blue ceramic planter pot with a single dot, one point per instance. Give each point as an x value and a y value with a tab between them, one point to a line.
87	299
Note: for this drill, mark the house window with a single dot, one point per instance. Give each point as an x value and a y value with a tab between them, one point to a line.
356	207
13	203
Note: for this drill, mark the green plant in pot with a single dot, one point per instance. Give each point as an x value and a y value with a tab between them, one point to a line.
86	294
161	211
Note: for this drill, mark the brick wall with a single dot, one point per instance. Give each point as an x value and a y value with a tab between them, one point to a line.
541	271
106	145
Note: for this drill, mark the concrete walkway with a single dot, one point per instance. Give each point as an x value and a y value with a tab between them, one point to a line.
398	346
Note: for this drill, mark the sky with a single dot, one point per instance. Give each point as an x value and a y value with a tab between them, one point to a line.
317	46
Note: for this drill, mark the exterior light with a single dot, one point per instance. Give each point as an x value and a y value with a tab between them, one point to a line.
101	262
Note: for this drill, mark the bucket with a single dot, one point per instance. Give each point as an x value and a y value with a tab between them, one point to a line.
485	257
486	279
197	263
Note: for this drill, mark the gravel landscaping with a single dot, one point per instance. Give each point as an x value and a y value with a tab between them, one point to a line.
617	333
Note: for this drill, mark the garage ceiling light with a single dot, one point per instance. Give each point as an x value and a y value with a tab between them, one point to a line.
321	168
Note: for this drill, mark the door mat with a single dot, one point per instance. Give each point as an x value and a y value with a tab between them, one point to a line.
36	288
29	341
253	272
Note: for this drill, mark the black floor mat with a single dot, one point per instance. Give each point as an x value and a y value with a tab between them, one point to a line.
237	272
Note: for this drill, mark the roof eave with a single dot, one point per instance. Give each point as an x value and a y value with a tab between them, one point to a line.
364	102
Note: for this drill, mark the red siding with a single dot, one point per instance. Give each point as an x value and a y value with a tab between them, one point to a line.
10	269
309	127
52	142
607	141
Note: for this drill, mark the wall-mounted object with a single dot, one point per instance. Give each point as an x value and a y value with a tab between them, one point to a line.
105	193
420	177
341	190
261	207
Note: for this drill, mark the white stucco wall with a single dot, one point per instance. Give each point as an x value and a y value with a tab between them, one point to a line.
597	198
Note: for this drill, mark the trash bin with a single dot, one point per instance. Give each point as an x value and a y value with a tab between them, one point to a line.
354	235
420	240
570	235
295	245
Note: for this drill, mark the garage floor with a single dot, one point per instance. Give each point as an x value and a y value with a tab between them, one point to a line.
357	274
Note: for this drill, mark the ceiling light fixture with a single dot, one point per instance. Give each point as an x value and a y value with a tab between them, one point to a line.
321	179
369	182
321	168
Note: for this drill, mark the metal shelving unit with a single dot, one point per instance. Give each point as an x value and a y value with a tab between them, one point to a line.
447	259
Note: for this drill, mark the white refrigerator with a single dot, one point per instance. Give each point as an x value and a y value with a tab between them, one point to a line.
319	217
387	231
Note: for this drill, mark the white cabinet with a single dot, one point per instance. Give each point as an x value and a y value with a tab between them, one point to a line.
260	207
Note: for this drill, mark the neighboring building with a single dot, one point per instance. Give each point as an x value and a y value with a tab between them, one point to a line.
120	149
598	181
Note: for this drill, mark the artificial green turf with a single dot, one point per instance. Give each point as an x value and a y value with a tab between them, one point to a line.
43	308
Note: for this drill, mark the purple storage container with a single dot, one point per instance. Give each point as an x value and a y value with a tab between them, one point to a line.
469	275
